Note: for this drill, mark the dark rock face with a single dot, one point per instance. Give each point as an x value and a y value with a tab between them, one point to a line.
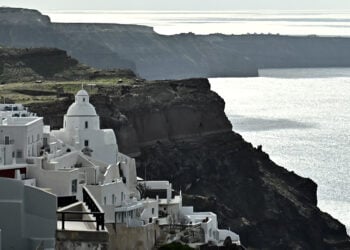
154	56
181	134
49	64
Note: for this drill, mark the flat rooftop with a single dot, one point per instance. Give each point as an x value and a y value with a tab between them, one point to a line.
19	121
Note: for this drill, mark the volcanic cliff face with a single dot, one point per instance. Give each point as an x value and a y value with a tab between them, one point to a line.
154	56
180	133
23	65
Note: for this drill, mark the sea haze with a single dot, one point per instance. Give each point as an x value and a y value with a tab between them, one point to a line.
323	23
302	122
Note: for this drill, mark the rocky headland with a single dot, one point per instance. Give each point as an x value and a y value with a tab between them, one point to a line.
178	131
155	56
25	65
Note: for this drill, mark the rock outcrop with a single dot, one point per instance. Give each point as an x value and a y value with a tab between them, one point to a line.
22	65
179	132
154	56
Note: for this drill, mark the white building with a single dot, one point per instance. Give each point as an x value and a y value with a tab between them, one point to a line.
24	224
81	129
83	155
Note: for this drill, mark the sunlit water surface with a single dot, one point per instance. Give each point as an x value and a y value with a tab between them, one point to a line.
301	118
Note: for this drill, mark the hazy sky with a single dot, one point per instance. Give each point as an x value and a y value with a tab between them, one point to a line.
178	4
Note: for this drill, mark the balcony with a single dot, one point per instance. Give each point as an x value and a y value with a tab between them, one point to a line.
6	142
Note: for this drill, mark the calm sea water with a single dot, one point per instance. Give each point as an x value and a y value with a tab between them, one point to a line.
301	118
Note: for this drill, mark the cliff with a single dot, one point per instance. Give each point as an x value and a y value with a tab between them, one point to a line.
179	132
154	56
48	64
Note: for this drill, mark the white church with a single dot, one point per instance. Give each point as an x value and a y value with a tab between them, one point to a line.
81	158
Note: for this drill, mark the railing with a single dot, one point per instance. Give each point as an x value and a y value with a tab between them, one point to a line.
7	142
100	218
96	212
94	207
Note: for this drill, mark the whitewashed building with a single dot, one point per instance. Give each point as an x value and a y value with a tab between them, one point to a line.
80	156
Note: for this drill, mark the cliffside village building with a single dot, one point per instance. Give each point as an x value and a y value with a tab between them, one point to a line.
71	187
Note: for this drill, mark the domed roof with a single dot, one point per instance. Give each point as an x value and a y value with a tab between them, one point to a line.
82	92
81	106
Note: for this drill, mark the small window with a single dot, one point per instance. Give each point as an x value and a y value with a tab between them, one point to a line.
152	210
113	199
7	140
83	99
74	185
19	154
86	124
105	200
86	143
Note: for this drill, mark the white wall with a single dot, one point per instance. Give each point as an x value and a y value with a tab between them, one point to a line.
23	222
59	182
27	138
151	209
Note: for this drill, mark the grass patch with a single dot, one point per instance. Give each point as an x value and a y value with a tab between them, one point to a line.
24	92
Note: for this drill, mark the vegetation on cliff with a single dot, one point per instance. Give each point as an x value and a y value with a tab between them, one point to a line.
40	64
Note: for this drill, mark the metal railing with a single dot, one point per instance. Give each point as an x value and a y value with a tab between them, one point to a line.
94	207
96	212
99	218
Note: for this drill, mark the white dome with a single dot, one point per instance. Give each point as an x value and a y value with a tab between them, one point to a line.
82	92
81	106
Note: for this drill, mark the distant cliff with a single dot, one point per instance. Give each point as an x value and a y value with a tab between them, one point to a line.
155	56
180	133
48	64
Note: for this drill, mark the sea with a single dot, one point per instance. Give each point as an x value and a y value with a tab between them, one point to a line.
300	116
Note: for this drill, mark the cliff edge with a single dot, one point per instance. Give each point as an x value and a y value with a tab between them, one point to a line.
155	56
178	130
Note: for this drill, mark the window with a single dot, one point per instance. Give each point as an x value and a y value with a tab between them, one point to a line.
83	99
122	196
19	154
7	140
86	143
86	124
152	210
113	199
105	200
74	185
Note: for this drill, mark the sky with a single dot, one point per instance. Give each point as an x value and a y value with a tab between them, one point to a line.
178	4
